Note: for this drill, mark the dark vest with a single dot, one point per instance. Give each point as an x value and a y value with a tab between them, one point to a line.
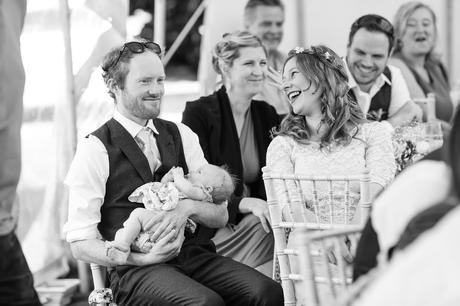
381	101
129	169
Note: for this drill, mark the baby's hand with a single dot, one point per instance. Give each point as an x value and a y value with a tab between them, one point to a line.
177	172
168	177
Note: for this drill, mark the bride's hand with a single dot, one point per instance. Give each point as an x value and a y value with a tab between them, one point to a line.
258	208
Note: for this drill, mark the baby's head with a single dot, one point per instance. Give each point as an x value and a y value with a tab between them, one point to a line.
221	182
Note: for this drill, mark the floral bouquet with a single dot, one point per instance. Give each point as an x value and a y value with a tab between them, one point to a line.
409	144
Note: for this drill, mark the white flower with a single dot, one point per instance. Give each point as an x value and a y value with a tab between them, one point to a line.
299	50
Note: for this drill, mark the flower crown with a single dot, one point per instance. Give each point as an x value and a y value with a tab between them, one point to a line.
314	51
328	59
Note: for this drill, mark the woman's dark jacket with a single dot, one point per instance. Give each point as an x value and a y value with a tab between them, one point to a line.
211	119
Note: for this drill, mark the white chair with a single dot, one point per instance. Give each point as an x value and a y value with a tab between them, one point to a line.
101	295
332	203
323	282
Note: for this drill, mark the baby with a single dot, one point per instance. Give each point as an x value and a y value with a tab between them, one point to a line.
208	183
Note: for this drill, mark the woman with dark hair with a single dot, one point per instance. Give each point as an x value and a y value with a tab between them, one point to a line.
234	130
326	132
416	34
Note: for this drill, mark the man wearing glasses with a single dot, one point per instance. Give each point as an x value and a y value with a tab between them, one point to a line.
379	89
119	157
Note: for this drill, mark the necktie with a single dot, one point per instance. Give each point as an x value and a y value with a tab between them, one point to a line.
145	141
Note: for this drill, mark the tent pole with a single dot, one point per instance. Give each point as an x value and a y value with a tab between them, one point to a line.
188	26
301	28
449	5
159	23
70	82
68	109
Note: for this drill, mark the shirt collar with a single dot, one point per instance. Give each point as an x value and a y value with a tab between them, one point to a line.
132	127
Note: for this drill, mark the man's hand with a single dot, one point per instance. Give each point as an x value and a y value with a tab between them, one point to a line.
168	177
258	208
163	250
344	251
408	112
166	221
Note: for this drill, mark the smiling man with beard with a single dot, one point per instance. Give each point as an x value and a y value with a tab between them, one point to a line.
131	149
379	89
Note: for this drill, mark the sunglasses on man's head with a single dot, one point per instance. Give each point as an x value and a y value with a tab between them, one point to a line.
377	21
135	47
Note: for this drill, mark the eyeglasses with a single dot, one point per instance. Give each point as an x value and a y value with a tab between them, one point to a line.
135	47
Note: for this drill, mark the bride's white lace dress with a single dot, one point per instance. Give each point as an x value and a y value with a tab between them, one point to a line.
371	148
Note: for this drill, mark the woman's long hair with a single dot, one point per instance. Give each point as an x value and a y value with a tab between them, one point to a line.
341	114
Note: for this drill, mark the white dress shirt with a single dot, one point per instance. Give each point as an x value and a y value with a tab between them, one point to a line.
424	273
399	91
89	172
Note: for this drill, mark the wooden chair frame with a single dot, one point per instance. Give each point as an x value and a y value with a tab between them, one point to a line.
310	275
99	274
279	226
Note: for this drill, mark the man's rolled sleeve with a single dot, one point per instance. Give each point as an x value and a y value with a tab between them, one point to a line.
86	181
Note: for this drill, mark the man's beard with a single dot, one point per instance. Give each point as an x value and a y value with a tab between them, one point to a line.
139	110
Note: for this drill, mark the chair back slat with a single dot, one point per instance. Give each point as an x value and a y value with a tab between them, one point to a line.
326	267
347	199
340	261
280	244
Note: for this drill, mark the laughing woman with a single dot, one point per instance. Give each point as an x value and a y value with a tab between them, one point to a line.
234	130
416	35
326	133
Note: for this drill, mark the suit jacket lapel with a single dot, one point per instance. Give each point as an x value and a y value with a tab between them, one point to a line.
260	128
229	141
122	139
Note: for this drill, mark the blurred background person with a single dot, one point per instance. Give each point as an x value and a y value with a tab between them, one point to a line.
16	280
265	19
379	89
234	129
416	36
97	27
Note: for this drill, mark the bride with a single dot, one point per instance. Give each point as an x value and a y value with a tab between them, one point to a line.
326	133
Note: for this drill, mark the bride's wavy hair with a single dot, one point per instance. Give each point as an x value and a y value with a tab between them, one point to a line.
341	114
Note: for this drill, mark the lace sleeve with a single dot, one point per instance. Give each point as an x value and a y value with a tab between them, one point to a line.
279	155
379	156
279	160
